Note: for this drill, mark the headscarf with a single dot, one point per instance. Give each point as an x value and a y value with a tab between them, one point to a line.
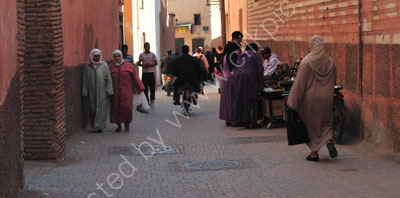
317	50
122	59
317	54
93	53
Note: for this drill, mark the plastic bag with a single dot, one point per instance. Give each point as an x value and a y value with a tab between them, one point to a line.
144	106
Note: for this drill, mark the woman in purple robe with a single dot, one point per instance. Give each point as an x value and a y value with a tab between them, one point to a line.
248	78
229	65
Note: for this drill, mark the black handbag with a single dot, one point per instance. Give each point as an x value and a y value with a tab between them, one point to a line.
296	129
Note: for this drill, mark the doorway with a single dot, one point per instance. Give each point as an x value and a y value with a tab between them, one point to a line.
179	42
199	42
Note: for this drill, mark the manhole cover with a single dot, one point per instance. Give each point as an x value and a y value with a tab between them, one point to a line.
146	150
257	139
211	165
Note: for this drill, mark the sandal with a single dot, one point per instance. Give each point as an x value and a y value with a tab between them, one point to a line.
312	159
332	150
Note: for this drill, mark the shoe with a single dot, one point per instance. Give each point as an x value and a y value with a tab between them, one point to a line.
119	129
228	124
312	159
100	131
126	127
332	150
152	103
177	103
194	101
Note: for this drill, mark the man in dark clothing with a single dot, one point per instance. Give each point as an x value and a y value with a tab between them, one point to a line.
211	61
126	56
237	38
166	65
187	70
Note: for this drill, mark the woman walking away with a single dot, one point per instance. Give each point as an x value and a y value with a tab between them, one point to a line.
126	82
96	86
312	97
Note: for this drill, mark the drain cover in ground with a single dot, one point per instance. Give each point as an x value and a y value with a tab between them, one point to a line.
145	150
211	165
257	139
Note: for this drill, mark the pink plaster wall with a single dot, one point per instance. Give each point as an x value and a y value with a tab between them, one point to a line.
88	24
8	45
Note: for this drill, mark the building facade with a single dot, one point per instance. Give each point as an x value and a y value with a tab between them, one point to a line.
366	55
193	23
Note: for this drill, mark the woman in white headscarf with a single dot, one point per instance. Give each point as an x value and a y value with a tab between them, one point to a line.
312	97
96	86
126	82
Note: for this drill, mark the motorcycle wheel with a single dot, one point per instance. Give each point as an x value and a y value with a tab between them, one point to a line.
186	109
338	124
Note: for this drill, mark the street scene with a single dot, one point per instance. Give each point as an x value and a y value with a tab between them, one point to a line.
199	98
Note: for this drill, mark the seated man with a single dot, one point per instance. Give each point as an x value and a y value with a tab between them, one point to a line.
270	63
187	70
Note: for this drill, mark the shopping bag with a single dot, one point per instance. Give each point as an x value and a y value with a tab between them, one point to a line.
144	106
296	129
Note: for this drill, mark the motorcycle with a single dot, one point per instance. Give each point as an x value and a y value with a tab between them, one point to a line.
339	111
169	84
186	93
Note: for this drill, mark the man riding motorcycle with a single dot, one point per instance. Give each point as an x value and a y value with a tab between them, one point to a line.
187	70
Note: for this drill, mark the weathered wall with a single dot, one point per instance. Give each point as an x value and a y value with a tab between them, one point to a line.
167	29
11	177
42	81
128	20
370	88
86	25
236	17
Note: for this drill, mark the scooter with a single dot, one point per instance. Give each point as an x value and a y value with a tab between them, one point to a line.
339	111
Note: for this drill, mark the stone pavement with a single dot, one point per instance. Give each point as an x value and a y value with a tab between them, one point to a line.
258	163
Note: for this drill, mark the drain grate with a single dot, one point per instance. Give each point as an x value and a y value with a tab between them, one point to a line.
146	150
256	139
211	165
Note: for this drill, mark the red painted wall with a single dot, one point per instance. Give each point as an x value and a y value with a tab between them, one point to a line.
11	176
375	107
89	24
8	45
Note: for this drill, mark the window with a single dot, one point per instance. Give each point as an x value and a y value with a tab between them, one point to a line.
197	19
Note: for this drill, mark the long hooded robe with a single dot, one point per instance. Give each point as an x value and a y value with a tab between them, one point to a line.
227	83
126	82
312	94
248	81
96	86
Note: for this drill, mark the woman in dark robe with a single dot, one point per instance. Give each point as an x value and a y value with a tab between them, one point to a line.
126	82
229	64
248	80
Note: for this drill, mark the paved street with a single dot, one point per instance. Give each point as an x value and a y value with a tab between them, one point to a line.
259	164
